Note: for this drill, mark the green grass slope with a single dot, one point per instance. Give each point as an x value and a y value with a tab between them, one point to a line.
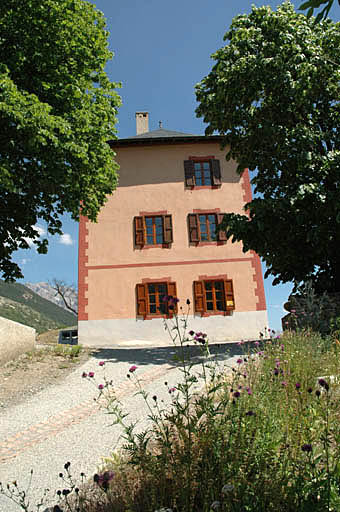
22	305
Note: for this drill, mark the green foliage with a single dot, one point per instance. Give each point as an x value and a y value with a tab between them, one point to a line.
310	5
274	95
57	112
26	307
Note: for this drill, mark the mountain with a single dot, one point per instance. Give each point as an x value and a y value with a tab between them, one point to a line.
46	291
19	303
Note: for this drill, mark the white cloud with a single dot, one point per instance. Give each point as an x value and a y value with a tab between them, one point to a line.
41	232
66	239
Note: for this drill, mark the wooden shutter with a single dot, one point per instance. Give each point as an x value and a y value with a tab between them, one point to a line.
172	290
139	231
167	229
189	173
199	296
142	299
193	227
216	172
221	236
229	295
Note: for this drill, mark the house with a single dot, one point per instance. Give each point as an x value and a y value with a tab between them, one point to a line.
157	236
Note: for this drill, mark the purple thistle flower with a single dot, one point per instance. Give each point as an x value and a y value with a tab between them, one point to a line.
249	391
310	390
250	413
239	361
84	374
257	343
101	363
101	386
276	371
306	447
297	385
91	374
132	368
284	383
172	390
237	394
323	384
191	333
318	392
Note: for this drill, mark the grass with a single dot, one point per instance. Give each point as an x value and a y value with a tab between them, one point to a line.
264	437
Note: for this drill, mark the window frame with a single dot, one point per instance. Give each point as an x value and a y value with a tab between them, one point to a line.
143	299
200	296
140	230
190	176
194	228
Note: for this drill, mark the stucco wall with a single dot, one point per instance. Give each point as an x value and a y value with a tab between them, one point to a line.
110	265
15	339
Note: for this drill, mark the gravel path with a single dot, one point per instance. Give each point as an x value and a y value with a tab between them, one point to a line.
64	423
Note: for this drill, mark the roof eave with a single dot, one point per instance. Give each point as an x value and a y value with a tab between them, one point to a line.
188	139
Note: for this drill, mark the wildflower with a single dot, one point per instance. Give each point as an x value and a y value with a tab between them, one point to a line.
306	447
284	383
276	371
132	368
323	384
101	386
257	343
166	298
84	374
237	394
215	505
297	385
239	361
250	413
154	398
91	374
103	479
310	390
249	391
172	390
282	348
227	488
188	302
191	333
101	363
318	392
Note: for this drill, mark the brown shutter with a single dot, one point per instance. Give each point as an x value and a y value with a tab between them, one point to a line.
222	236
142	299
189	173
167	229
229	295
216	172
193	227
139	231
199	296
172	290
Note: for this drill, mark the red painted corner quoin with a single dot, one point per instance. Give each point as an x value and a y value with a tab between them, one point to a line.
82	268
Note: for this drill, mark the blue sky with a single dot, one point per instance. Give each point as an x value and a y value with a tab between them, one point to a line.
162	49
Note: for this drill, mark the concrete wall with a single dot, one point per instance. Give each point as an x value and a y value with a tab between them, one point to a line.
15	339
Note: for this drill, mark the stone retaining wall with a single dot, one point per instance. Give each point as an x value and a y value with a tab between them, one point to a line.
15	339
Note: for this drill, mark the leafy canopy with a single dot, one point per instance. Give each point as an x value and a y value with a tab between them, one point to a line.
57	112
274	95
310	5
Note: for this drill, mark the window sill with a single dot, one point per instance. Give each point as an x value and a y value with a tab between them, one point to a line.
202	187
151	317
216	313
153	246
202	244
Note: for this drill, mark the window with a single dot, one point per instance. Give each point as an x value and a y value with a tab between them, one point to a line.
150	299
202	173
153	230
214	296
202	227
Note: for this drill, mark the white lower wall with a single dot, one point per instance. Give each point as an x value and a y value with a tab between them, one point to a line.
131	331
15	339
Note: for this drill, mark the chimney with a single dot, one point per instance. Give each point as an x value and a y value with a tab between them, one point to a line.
142	122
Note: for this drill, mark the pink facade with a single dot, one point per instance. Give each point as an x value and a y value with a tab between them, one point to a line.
157	229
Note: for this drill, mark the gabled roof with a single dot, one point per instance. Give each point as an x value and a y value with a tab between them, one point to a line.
161	133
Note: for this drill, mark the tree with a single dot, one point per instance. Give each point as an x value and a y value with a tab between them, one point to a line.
274	95
57	112
67	293
310	5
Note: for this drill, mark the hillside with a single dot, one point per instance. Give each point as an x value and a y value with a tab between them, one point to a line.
22	305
